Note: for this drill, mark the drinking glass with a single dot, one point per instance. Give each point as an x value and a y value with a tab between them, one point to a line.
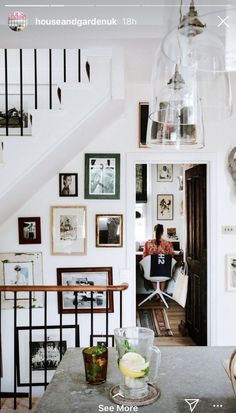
95	363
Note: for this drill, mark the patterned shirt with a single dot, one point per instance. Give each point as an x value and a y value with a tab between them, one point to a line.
165	247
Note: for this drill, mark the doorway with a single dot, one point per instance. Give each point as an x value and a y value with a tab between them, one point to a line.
175	196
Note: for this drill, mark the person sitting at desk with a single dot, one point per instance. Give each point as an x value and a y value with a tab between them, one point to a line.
158	245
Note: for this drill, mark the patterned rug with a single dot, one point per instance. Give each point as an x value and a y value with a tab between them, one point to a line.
156	319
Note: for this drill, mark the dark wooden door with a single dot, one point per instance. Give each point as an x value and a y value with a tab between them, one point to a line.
196	253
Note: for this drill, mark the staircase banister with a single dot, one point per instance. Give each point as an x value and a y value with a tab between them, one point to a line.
63	288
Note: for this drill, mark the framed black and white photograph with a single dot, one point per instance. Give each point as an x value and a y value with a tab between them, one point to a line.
164	173
29	230
68	184
141	183
109	230
68	225
21	269
231	272
165	207
85	277
40	359
102	176
12	120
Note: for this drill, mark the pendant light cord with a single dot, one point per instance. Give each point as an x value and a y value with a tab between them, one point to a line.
180	11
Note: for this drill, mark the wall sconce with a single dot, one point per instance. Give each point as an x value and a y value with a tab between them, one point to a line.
232	164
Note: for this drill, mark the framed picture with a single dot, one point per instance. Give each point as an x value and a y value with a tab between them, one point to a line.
143	123
68	184
141	183
231	272
21	269
100	339
68	225
102	176
85	276
54	350
165	207
14	114
29	230
109	230
164	173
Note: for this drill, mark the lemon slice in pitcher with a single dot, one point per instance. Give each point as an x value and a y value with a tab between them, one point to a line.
133	365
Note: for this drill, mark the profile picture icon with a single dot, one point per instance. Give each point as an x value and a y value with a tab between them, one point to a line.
17	21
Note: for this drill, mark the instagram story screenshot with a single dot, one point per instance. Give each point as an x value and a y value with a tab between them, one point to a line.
118	206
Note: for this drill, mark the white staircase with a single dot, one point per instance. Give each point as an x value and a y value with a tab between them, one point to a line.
59	135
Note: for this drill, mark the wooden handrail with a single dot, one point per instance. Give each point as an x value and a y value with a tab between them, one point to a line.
64	288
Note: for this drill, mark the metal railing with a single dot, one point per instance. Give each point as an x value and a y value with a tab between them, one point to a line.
31	324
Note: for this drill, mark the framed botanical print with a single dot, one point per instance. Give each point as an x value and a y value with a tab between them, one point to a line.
165	207
29	229
68	225
141	183
21	268
164	173
109	230
102	176
68	184
85	277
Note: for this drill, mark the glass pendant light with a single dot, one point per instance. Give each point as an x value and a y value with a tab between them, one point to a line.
175	116
192	44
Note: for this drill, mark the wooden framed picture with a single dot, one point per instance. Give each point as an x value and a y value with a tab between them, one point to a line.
109	230
85	276
29	230
102	176
21	268
164	173
68	225
165	207
55	349
231	272
141	183
68	184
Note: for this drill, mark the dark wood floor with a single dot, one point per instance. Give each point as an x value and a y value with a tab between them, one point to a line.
175	314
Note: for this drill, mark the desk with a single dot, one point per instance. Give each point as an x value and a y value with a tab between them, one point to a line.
186	372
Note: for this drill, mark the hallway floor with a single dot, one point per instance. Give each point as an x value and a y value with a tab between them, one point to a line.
175	314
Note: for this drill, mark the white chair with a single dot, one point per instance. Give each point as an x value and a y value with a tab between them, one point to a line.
157	268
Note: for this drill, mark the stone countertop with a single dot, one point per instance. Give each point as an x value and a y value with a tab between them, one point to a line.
185	373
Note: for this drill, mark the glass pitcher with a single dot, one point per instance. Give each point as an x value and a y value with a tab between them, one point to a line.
138	360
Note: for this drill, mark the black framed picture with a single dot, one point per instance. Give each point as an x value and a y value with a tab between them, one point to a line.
141	183
102	176
68	184
143	123
29	230
41	360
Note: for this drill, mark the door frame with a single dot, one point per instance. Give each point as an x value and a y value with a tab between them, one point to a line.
129	273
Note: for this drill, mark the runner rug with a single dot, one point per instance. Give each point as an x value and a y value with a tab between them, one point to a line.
155	319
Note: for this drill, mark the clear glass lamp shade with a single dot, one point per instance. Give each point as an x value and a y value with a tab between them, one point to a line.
175	115
204	54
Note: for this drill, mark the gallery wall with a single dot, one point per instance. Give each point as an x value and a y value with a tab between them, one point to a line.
122	137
